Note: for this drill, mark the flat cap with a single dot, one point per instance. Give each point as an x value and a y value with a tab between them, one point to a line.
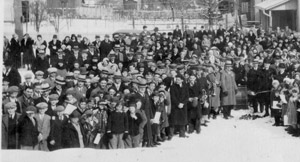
28	76
59	108
53	97
42	105
52	70
30	109
12	89
39	73
10	105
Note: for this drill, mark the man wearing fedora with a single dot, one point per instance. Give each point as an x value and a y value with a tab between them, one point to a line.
229	89
46	89
179	99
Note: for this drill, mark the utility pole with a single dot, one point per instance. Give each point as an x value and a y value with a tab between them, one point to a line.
17	18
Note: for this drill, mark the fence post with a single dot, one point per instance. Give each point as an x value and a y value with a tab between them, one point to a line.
182	23
133	22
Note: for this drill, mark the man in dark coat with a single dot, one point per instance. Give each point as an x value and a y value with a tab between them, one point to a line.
10	122
179	99
253	83
73	133
265	86
28	130
193	105
177	32
142	95
58	123
54	45
11	74
15	51
105	47
41	63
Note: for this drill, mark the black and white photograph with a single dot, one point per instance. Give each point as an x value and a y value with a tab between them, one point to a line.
150	80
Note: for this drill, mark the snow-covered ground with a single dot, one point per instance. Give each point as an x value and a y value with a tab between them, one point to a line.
231	140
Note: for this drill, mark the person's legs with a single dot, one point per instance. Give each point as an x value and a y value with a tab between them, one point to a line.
135	141
26	147
182	131
120	141
113	142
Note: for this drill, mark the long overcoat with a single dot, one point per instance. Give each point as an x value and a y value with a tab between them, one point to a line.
228	85
179	94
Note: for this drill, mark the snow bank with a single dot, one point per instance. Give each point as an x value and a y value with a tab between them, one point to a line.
229	141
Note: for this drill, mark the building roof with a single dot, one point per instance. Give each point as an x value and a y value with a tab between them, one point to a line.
269	4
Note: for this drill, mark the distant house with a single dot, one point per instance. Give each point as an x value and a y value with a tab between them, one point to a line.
279	13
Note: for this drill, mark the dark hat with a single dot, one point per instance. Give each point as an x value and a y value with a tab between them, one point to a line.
180	76
55	36
267	61
156	29
30	109
228	63
172	66
75	48
70	75
59	108
144	27
52	70
180	67
118	77
83	70
97	36
282	65
13	89
88	112
53	97
75	114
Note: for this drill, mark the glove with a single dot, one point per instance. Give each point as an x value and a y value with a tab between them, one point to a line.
125	136
225	93
109	135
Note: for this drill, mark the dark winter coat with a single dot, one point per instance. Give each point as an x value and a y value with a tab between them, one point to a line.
70	137
28	133
56	132
179	95
117	122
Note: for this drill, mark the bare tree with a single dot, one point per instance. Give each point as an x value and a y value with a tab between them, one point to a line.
212	7
39	11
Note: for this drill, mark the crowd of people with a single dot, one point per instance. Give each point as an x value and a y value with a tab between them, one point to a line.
139	90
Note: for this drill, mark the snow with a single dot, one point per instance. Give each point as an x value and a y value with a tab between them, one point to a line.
231	140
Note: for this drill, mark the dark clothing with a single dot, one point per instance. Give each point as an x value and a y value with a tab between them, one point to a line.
105	48
27	50
70	138
117	122
13	76
56	132
10	131
133	124
28	132
41	64
179	95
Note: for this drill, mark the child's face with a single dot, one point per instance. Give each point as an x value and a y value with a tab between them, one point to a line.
119	108
132	109
155	98
83	105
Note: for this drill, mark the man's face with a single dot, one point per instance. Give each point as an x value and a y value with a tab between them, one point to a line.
14	95
267	65
46	93
179	80
11	110
28	93
142	89
43	110
103	84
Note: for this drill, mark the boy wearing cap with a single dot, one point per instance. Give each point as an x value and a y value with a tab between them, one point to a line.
9	129
28	130
43	123
12	97
134	121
